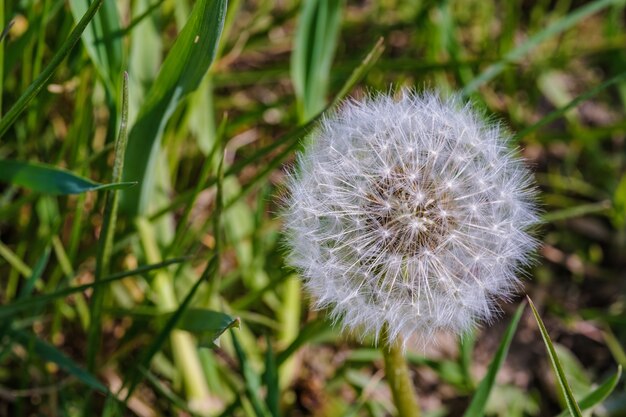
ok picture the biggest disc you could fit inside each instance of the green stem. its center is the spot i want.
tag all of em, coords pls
(399, 379)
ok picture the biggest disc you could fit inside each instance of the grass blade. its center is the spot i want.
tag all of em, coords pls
(598, 395)
(47, 179)
(555, 28)
(28, 287)
(210, 275)
(27, 303)
(575, 102)
(292, 138)
(315, 43)
(479, 400)
(252, 381)
(105, 242)
(43, 78)
(104, 49)
(572, 405)
(183, 69)
(313, 330)
(161, 338)
(270, 378)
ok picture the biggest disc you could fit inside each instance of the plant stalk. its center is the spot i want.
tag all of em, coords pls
(399, 378)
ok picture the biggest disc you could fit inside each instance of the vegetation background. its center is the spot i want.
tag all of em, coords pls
(171, 297)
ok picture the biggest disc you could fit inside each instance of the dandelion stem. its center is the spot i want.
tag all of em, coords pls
(399, 379)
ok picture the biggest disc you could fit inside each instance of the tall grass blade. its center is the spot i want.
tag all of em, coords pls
(270, 378)
(210, 275)
(252, 381)
(572, 405)
(599, 394)
(105, 242)
(479, 400)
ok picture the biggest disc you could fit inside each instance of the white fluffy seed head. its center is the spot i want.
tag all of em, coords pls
(411, 213)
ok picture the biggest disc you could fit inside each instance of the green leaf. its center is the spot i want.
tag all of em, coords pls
(572, 405)
(50, 180)
(479, 400)
(207, 325)
(316, 39)
(599, 394)
(49, 353)
(183, 70)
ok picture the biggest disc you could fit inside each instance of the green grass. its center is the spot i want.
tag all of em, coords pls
(181, 303)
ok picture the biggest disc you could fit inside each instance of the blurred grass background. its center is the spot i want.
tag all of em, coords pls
(119, 301)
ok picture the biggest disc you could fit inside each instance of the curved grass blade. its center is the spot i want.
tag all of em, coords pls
(598, 395)
(572, 405)
(181, 73)
(27, 303)
(48, 179)
(43, 78)
(575, 102)
(479, 400)
(553, 29)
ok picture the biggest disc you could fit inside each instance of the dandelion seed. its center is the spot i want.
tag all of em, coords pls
(410, 215)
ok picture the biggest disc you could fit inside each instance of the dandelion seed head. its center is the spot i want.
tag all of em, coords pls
(411, 213)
